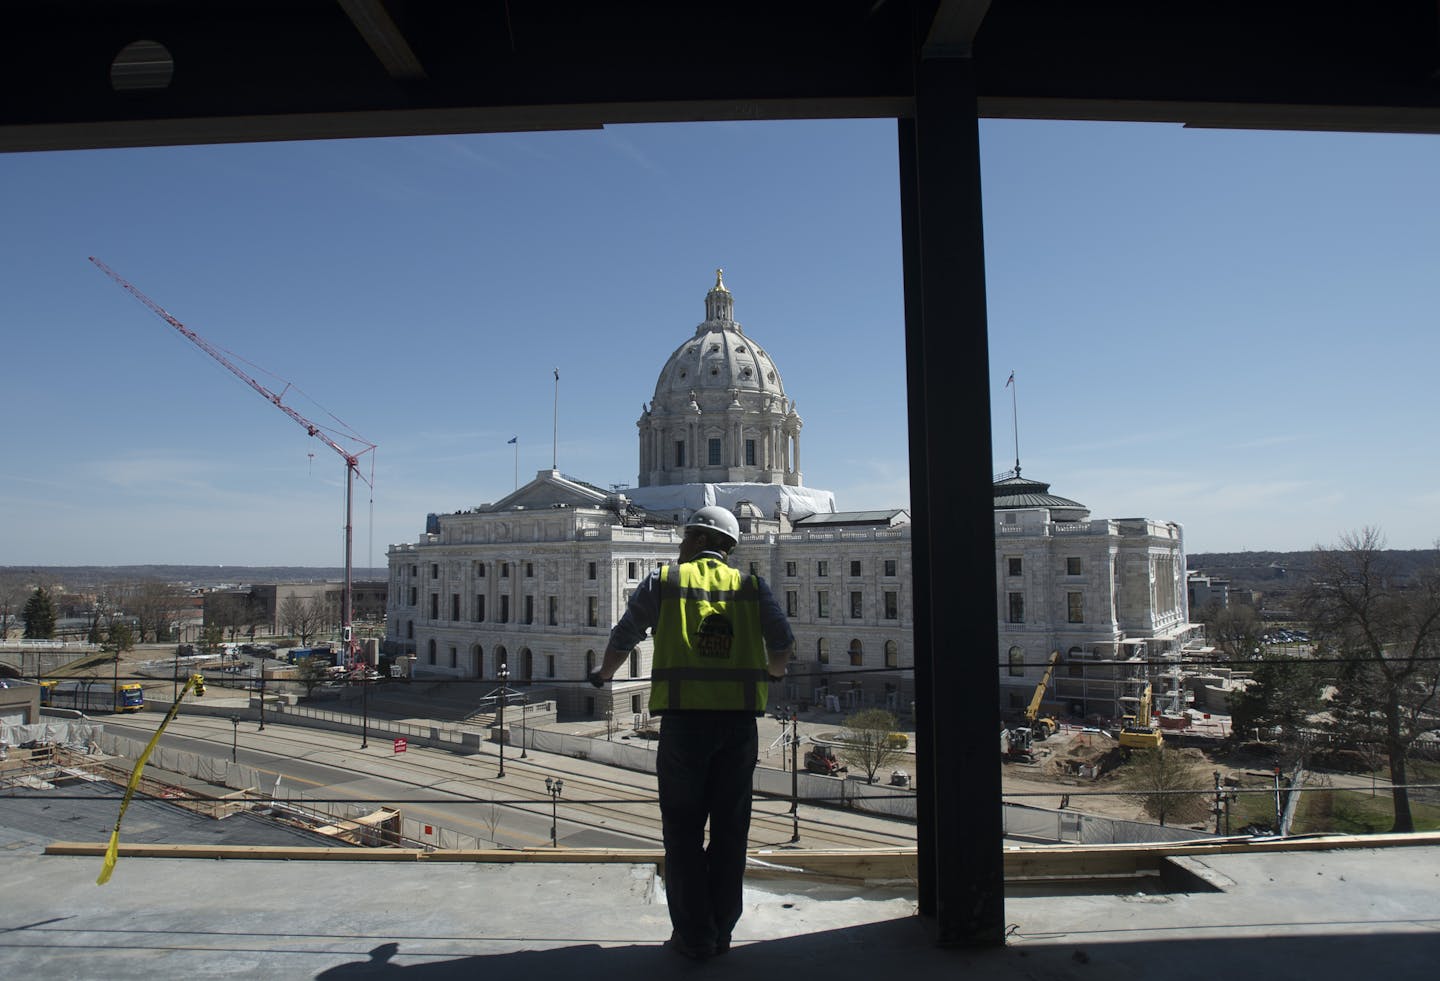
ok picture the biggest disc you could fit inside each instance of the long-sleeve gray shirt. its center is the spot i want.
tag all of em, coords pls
(643, 612)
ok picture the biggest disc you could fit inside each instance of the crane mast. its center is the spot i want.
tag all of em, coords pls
(352, 460)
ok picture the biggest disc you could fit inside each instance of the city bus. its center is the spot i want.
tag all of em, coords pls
(89, 695)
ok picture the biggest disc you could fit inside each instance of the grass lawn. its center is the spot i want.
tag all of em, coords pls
(1357, 812)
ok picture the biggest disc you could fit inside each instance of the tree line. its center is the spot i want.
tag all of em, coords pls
(1369, 682)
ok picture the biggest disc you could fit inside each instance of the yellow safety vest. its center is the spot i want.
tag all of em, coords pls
(709, 651)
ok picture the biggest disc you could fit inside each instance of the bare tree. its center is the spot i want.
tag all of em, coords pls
(1161, 780)
(230, 612)
(155, 606)
(311, 672)
(302, 618)
(868, 742)
(1385, 632)
(1236, 630)
(13, 594)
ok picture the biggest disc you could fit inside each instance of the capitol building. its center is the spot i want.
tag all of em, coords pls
(535, 581)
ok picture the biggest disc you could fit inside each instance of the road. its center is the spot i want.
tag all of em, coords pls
(599, 806)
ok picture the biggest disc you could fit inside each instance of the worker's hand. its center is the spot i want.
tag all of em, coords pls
(596, 679)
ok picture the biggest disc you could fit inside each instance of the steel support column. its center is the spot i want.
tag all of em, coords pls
(953, 559)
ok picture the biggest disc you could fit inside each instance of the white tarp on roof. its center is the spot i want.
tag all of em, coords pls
(679, 500)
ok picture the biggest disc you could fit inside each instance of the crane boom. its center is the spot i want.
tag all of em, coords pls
(274, 398)
(352, 468)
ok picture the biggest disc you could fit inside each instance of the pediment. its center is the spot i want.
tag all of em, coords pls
(548, 489)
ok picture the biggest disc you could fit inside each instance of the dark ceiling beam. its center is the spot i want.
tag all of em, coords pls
(375, 25)
(952, 32)
(267, 128)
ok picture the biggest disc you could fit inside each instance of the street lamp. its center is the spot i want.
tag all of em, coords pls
(234, 736)
(553, 787)
(524, 707)
(504, 678)
(262, 694)
(609, 724)
(365, 705)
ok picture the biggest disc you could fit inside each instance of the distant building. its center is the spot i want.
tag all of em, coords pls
(1207, 591)
(260, 605)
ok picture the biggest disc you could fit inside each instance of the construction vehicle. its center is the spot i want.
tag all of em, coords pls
(1137, 731)
(1037, 727)
(821, 759)
(1042, 727)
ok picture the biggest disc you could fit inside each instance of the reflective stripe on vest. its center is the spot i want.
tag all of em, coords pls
(709, 651)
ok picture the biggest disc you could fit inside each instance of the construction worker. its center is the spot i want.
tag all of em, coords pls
(720, 637)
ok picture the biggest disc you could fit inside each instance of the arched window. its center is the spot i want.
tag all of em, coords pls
(431, 648)
(857, 653)
(589, 662)
(477, 659)
(892, 654)
(822, 650)
(1017, 662)
(501, 659)
(527, 664)
(409, 629)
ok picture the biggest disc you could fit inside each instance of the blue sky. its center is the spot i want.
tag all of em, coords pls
(1229, 330)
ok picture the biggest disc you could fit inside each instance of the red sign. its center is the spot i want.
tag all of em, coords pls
(400, 745)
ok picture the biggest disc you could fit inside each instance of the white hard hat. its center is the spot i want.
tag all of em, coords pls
(715, 518)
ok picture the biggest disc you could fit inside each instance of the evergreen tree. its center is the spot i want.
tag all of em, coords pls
(1284, 692)
(121, 637)
(39, 615)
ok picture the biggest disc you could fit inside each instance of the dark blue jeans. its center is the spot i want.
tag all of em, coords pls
(705, 764)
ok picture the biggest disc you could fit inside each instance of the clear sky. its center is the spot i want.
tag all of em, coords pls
(1229, 330)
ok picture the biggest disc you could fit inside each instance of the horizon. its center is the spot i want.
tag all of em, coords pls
(1179, 308)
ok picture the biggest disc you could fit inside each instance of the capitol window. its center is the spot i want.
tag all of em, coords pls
(1075, 607)
(715, 451)
(790, 569)
(1017, 662)
(1017, 608)
(1072, 565)
(890, 565)
(749, 453)
(1013, 562)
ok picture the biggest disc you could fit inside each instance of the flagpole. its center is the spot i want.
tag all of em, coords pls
(555, 440)
(1015, 418)
(516, 441)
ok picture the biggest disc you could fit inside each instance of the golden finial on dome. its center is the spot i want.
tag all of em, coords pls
(720, 280)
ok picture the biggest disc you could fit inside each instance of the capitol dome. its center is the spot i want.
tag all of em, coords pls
(718, 361)
(720, 413)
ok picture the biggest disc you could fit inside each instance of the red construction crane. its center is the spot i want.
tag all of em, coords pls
(352, 468)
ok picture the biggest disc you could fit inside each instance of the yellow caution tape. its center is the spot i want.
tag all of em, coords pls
(112, 851)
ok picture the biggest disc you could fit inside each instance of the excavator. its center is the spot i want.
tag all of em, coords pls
(1136, 731)
(1037, 727)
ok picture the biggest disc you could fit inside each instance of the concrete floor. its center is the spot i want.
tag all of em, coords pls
(1344, 913)
(1313, 915)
